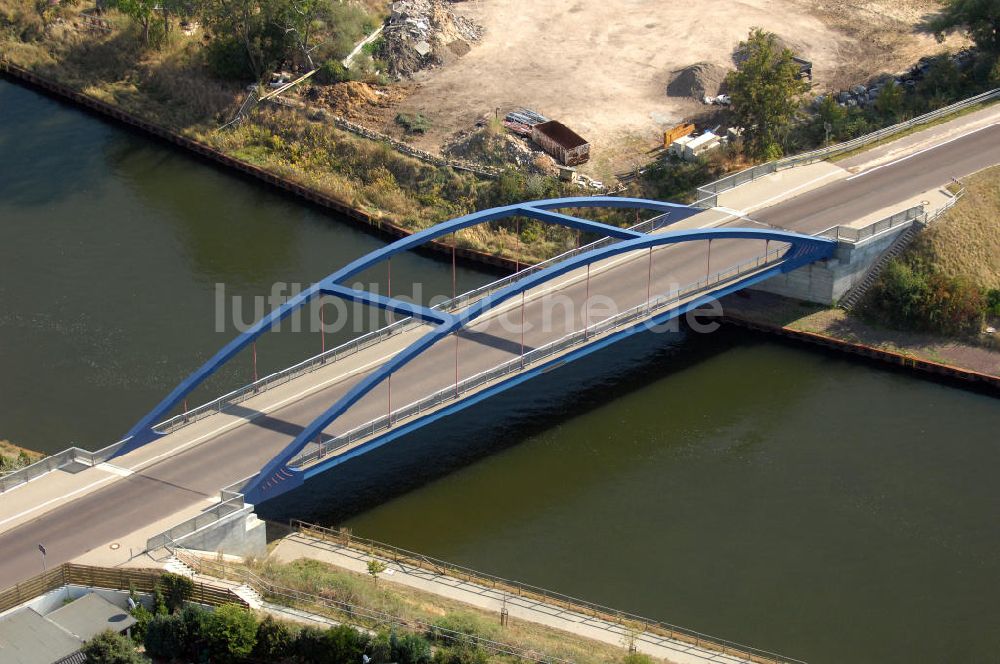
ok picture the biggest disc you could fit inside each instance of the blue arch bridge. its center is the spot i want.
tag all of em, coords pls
(640, 277)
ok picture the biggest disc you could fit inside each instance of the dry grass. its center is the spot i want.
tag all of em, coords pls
(15, 456)
(965, 243)
(333, 583)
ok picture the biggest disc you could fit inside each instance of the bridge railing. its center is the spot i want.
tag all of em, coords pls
(227, 401)
(454, 392)
(906, 217)
(850, 234)
(57, 461)
(749, 175)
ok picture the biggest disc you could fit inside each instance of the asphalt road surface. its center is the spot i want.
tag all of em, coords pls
(196, 474)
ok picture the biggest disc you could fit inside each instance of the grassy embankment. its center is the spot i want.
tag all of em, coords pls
(948, 280)
(13, 457)
(173, 85)
(332, 583)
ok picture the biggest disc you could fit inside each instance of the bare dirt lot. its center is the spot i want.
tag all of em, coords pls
(602, 66)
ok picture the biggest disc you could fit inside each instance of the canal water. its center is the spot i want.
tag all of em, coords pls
(787, 498)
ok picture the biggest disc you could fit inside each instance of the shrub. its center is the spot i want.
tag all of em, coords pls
(142, 616)
(227, 59)
(110, 648)
(195, 623)
(332, 71)
(912, 294)
(176, 589)
(410, 649)
(166, 637)
(310, 645)
(345, 644)
(413, 123)
(275, 641)
(230, 633)
(380, 648)
(637, 658)
(463, 653)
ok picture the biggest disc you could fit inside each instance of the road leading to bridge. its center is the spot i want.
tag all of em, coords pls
(195, 475)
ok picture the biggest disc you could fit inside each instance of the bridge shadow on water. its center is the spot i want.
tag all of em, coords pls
(495, 424)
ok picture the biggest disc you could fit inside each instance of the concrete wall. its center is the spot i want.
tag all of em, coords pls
(826, 282)
(239, 534)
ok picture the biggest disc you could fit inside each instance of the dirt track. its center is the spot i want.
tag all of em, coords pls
(602, 66)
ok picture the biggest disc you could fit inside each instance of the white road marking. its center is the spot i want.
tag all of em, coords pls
(920, 152)
(117, 470)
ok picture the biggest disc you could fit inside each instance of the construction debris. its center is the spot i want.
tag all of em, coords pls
(485, 145)
(425, 33)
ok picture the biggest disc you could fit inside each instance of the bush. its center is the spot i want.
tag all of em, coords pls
(196, 629)
(912, 294)
(111, 648)
(275, 641)
(410, 649)
(332, 71)
(166, 637)
(310, 646)
(413, 123)
(142, 616)
(380, 648)
(637, 658)
(463, 653)
(993, 302)
(230, 633)
(345, 644)
(176, 589)
(227, 59)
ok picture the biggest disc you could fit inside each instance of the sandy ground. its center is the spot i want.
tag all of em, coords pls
(602, 66)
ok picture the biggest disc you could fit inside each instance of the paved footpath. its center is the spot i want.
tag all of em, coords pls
(299, 545)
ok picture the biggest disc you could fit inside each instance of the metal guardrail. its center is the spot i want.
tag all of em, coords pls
(911, 215)
(749, 175)
(57, 461)
(623, 619)
(455, 392)
(855, 235)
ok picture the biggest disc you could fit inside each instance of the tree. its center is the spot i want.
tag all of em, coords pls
(140, 11)
(111, 648)
(166, 637)
(980, 18)
(889, 102)
(253, 24)
(376, 567)
(410, 649)
(230, 633)
(176, 589)
(275, 641)
(766, 92)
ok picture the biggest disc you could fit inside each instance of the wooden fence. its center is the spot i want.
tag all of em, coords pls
(110, 578)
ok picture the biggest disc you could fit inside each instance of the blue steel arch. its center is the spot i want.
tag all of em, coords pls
(142, 432)
(276, 477)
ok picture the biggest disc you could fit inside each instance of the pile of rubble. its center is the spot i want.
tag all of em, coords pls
(425, 33)
(701, 81)
(498, 149)
(865, 95)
